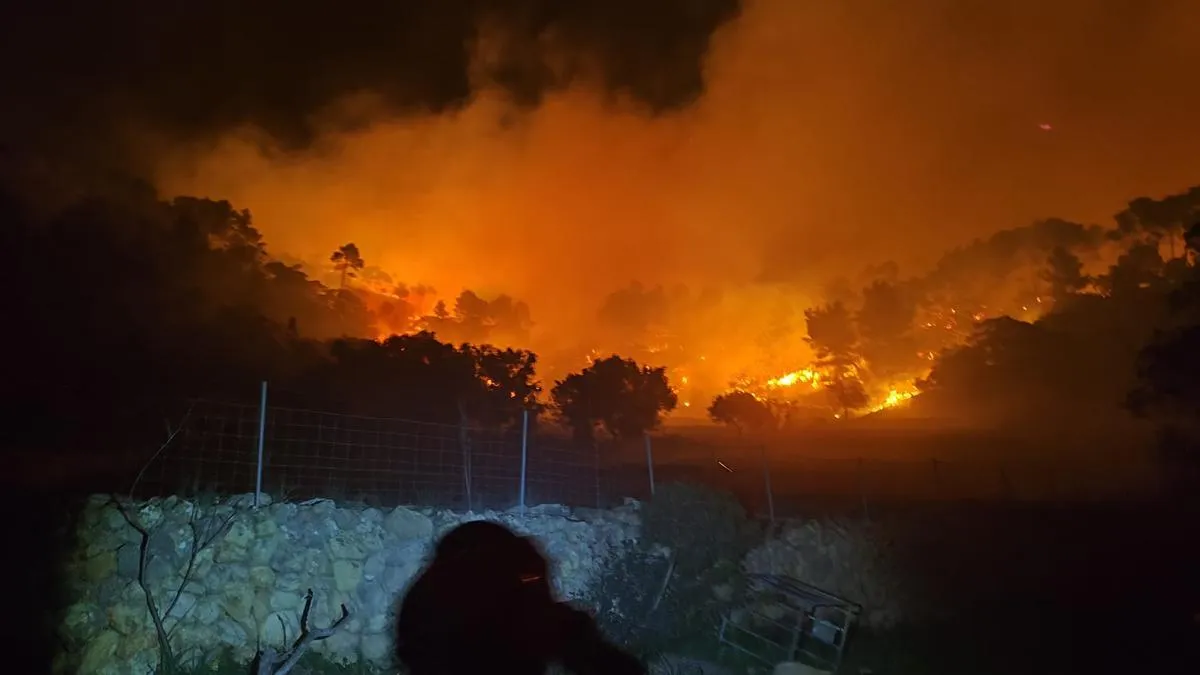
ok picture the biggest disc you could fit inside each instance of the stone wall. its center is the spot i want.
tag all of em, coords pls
(247, 588)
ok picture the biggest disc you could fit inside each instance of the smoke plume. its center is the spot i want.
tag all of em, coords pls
(556, 151)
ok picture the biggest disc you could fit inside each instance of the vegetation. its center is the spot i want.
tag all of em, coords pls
(671, 589)
(184, 300)
(616, 395)
(742, 411)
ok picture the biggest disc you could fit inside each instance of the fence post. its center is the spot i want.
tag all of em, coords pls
(767, 480)
(262, 433)
(862, 489)
(650, 462)
(524, 454)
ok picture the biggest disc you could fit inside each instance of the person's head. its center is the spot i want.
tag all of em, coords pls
(474, 603)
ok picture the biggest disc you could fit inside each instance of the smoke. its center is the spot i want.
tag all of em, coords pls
(556, 151)
(193, 70)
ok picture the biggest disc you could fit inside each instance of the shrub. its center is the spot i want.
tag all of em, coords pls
(670, 589)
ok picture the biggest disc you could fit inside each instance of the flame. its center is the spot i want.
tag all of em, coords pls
(805, 376)
(894, 398)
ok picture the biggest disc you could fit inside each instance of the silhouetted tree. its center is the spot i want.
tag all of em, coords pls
(1013, 367)
(478, 320)
(347, 261)
(616, 394)
(1064, 274)
(633, 314)
(742, 411)
(885, 324)
(832, 334)
(507, 385)
(405, 376)
(847, 394)
(1138, 269)
(1154, 220)
(1168, 369)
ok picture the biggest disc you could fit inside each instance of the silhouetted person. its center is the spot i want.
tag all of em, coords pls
(485, 605)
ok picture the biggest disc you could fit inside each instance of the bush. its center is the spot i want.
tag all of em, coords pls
(670, 590)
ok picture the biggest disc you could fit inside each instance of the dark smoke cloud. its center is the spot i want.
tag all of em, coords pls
(192, 69)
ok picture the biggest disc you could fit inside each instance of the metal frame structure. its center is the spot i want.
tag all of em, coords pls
(814, 625)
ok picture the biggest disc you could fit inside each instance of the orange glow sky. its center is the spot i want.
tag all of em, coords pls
(832, 135)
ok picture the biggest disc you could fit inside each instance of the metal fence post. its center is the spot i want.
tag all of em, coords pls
(767, 480)
(262, 433)
(524, 454)
(650, 462)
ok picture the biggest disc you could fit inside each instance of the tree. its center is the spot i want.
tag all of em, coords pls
(834, 338)
(347, 261)
(1168, 369)
(1152, 220)
(1137, 269)
(1009, 366)
(847, 394)
(618, 395)
(507, 385)
(632, 314)
(477, 320)
(885, 324)
(742, 411)
(832, 334)
(1064, 274)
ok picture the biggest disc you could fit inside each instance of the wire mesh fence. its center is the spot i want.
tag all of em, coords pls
(308, 454)
(383, 461)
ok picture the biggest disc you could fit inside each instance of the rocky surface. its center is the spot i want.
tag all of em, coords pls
(248, 587)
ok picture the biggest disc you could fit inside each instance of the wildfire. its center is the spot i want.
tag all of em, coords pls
(807, 376)
(896, 395)
(894, 398)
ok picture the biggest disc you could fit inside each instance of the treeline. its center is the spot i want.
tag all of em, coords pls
(1012, 330)
(121, 308)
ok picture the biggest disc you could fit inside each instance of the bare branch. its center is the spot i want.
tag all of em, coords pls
(202, 538)
(269, 657)
(662, 589)
(166, 657)
(171, 434)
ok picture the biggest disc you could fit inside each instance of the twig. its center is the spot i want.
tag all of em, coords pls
(662, 589)
(202, 538)
(172, 433)
(268, 659)
(200, 541)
